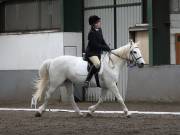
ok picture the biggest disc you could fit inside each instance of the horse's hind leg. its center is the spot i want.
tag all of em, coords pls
(70, 90)
(101, 99)
(48, 94)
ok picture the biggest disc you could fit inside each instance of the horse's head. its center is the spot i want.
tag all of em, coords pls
(135, 55)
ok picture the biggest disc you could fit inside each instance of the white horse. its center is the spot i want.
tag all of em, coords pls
(69, 70)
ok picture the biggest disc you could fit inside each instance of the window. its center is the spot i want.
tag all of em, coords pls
(175, 6)
(28, 15)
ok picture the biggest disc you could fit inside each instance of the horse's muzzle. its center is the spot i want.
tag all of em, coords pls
(141, 65)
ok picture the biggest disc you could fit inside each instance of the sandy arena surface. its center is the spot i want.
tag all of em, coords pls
(63, 123)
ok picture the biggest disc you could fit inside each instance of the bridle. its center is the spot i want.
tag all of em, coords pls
(133, 57)
(130, 62)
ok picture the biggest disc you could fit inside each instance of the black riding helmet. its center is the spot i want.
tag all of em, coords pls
(93, 19)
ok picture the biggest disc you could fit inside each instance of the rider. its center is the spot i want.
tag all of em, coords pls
(96, 45)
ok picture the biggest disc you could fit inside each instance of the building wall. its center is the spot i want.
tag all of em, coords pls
(21, 56)
(127, 17)
(154, 84)
(17, 84)
(28, 51)
(175, 28)
(73, 39)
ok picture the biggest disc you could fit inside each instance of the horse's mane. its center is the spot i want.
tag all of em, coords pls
(123, 51)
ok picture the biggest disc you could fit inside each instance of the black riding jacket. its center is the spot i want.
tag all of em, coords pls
(96, 43)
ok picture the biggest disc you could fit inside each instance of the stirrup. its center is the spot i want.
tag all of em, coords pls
(86, 84)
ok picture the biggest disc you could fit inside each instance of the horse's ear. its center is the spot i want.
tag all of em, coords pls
(131, 42)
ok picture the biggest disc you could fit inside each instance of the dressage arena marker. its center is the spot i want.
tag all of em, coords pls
(85, 111)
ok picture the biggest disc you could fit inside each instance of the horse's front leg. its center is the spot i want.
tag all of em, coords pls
(120, 99)
(101, 99)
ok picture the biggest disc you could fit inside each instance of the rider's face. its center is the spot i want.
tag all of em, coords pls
(98, 25)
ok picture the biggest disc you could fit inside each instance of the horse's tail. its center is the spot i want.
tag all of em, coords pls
(42, 83)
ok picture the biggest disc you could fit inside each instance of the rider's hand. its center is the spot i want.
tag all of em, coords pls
(108, 49)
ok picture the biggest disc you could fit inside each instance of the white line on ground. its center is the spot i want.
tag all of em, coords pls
(105, 112)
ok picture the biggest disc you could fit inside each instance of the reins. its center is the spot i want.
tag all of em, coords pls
(128, 60)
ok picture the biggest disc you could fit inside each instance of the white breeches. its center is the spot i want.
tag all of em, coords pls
(95, 60)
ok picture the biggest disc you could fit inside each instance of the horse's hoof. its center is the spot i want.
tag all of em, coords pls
(88, 115)
(81, 114)
(128, 115)
(37, 114)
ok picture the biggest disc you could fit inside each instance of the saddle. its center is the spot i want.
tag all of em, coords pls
(89, 65)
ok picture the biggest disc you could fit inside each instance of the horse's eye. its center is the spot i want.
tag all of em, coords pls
(134, 52)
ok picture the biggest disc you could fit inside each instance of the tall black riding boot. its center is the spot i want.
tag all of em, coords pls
(92, 71)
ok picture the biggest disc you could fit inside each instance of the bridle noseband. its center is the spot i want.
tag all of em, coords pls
(129, 61)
